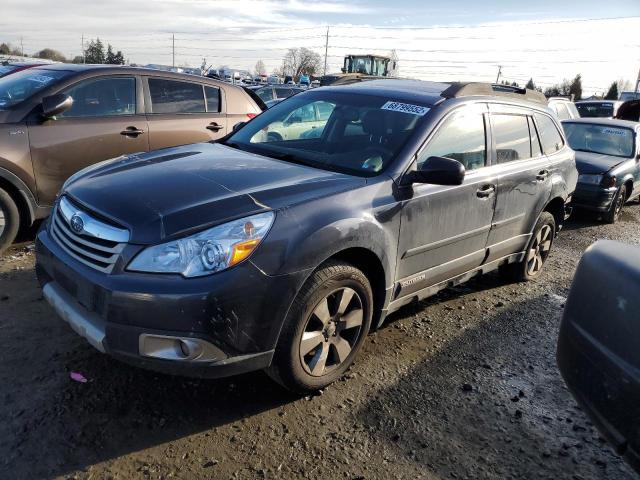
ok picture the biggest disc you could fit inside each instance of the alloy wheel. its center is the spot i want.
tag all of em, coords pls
(3, 221)
(331, 332)
(539, 250)
(619, 204)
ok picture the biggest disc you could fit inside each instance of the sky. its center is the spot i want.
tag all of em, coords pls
(463, 40)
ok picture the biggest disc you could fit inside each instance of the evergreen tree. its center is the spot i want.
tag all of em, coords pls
(612, 94)
(530, 85)
(575, 89)
(94, 53)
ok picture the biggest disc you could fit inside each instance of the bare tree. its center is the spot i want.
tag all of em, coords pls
(301, 60)
(260, 68)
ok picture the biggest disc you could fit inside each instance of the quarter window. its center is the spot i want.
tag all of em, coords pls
(102, 97)
(461, 137)
(536, 151)
(561, 110)
(170, 96)
(550, 137)
(213, 99)
(511, 136)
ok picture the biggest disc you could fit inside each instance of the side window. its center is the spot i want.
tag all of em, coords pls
(102, 97)
(284, 92)
(171, 96)
(303, 114)
(511, 136)
(213, 99)
(550, 138)
(536, 151)
(324, 110)
(461, 137)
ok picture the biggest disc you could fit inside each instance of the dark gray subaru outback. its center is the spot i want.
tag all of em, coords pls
(280, 252)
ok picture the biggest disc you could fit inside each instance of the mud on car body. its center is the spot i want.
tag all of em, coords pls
(249, 253)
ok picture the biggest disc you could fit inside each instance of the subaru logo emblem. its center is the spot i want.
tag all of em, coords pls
(77, 224)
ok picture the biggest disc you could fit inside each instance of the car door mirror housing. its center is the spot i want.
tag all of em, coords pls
(238, 126)
(55, 104)
(438, 171)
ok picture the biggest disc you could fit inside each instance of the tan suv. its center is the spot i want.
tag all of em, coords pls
(58, 119)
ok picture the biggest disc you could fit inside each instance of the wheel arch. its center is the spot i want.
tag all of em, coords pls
(21, 194)
(555, 207)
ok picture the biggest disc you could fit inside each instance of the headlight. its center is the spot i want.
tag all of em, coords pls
(206, 252)
(590, 179)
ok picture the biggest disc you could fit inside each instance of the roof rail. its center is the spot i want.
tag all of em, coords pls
(460, 89)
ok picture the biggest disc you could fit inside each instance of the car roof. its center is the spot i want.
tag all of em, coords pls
(434, 92)
(598, 101)
(559, 99)
(115, 69)
(605, 121)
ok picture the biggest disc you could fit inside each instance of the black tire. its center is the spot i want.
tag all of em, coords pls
(536, 253)
(9, 220)
(616, 206)
(327, 287)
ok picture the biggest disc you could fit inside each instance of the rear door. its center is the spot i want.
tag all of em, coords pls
(444, 229)
(181, 112)
(524, 179)
(106, 120)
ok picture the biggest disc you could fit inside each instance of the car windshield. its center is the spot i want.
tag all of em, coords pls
(594, 110)
(626, 96)
(358, 134)
(605, 139)
(19, 86)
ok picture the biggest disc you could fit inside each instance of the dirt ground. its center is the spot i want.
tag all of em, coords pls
(461, 386)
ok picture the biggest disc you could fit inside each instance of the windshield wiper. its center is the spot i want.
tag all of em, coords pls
(287, 157)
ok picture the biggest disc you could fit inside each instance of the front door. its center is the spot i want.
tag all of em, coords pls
(444, 229)
(102, 123)
(181, 112)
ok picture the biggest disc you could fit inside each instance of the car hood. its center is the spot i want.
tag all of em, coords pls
(588, 162)
(177, 191)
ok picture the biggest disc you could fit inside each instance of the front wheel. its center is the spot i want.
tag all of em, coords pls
(324, 330)
(616, 206)
(536, 253)
(9, 220)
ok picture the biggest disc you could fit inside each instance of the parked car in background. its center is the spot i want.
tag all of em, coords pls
(629, 110)
(564, 108)
(599, 343)
(608, 161)
(304, 81)
(57, 119)
(598, 108)
(219, 258)
(276, 92)
(626, 96)
(7, 68)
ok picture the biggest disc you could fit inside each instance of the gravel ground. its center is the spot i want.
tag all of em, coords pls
(463, 385)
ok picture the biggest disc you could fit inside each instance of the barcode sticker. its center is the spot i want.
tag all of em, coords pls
(405, 108)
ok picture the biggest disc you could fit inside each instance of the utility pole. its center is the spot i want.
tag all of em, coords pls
(173, 49)
(84, 58)
(499, 72)
(326, 48)
(638, 82)
(21, 46)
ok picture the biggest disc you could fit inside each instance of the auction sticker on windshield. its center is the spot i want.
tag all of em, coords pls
(405, 108)
(613, 131)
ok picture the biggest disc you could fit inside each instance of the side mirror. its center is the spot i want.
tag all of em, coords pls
(238, 126)
(55, 104)
(437, 171)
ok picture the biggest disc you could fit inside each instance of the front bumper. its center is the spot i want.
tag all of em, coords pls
(593, 197)
(229, 319)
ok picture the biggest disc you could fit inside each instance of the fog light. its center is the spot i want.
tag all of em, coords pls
(178, 348)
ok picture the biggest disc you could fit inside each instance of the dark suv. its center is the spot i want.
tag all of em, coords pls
(254, 253)
(57, 119)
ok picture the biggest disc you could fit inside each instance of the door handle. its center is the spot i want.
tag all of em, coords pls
(542, 175)
(131, 132)
(213, 126)
(486, 191)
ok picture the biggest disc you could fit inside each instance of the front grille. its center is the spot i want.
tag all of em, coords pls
(96, 244)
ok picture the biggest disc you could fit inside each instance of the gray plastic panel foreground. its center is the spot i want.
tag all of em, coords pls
(87, 324)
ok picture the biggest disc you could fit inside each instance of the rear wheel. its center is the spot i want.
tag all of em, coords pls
(9, 220)
(324, 330)
(616, 206)
(536, 253)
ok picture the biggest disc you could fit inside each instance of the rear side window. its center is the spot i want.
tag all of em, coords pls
(561, 110)
(285, 92)
(511, 136)
(550, 137)
(102, 97)
(213, 99)
(461, 137)
(171, 96)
